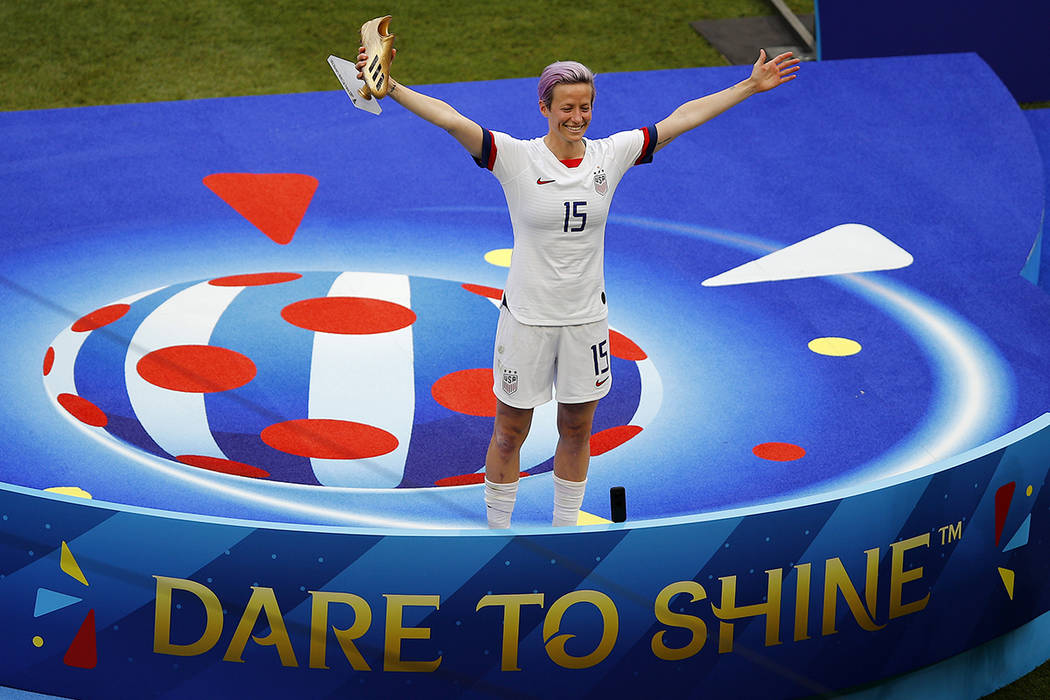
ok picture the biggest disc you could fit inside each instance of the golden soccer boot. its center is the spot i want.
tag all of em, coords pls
(379, 46)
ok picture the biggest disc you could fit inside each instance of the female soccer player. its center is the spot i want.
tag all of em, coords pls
(553, 329)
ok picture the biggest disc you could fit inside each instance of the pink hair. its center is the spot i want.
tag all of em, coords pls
(563, 73)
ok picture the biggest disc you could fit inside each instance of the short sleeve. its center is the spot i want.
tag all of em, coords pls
(634, 147)
(488, 150)
(504, 155)
(648, 145)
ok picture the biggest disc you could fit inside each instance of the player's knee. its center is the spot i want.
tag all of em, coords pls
(508, 438)
(574, 424)
(577, 431)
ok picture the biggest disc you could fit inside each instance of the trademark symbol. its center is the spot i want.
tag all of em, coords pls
(951, 533)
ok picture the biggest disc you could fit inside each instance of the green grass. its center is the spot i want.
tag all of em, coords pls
(66, 53)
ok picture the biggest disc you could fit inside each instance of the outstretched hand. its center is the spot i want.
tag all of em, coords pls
(766, 75)
(362, 60)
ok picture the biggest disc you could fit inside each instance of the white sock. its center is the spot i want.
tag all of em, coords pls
(568, 497)
(499, 503)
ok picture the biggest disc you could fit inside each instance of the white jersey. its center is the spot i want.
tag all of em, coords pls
(558, 214)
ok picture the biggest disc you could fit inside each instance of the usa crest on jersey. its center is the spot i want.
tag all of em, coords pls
(601, 182)
(510, 380)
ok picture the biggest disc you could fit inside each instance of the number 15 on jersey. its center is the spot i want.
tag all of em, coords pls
(600, 355)
(575, 215)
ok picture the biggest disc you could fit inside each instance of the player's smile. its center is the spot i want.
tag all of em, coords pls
(575, 129)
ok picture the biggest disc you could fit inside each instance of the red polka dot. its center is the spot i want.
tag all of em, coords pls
(348, 315)
(196, 368)
(100, 317)
(779, 451)
(49, 361)
(464, 479)
(623, 347)
(257, 279)
(490, 292)
(83, 410)
(467, 391)
(327, 438)
(612, 437)
(226, 466)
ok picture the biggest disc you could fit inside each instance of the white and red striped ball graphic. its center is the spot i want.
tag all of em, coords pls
(348, 379)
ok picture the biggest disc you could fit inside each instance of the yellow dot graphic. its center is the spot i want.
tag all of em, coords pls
(500, 257)
(1028, 491)
(834, 347)
(38, 641)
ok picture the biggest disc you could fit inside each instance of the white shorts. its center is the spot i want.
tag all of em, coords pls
(529, 360)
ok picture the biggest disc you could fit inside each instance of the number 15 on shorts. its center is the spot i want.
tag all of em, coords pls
(600, 355)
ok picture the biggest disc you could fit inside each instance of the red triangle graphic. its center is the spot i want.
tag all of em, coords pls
(275, 203)
(82, 653)
(1003, 497)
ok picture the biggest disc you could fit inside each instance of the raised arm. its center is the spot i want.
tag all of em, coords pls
(765, 75)
(439, 113)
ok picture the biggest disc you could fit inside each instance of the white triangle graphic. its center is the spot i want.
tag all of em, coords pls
(841, 250)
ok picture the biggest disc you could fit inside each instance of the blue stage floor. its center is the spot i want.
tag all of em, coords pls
(108, 208)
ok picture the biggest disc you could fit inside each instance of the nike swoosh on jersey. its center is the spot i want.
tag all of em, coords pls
(599, 382)
(541, 181)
